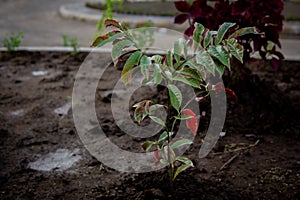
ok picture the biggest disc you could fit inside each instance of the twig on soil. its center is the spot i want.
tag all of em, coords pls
(229, 161)
(238, 149)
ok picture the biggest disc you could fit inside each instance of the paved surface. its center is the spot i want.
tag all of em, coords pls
(41, 22)
(44, 22)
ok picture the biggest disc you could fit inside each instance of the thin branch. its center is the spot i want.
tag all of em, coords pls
(239, 149)
(229, 161)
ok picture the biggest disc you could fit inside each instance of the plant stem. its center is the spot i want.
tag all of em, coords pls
(168, 125)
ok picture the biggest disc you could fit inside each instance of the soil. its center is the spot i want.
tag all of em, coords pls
(258, 158)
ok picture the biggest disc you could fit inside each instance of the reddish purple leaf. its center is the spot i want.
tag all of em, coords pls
(278, 54)
(182, 6)
(266, 16)
(181, 18)
(238, 7)
(231, 93)
(275, 63)
(189, 31)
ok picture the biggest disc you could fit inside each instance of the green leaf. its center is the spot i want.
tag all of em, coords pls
(142, 109)
(219, 67)
(168, 154)
(185, 160)
(235, 49)
(180, 143)
(157, 120)
(198, 67)
(155, 107)
(189, 81)
(130, 75)
(118, 48)
(170, 59)
(169, 75)
(145, 71)
(175, 96)
(157, 74)
(140, 104)
(183, 117)
(145, 63)
(157, 58)
(208, 37)
(206, 60)
(197, 34)
(146, 146)
(106, 38)
(138, 114)
(186, 46)
(163, 161)
(220, 53)
(191, 64)
(191, 73)
(146, 109)
(164, 136)
(243, 31)
(130, 63)
(181, 169)
(137, 104)
(178, 46)
(145, 60)
(222, 31)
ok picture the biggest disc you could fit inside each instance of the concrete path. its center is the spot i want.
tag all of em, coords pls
(41, 22)
(44, 22)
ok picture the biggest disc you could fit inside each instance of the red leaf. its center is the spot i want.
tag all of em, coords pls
(218, 88)
(99, 39)
(275, 63)
(112, 22)
(231, 93)
(181, 18)
(182, 6)
(200, 9)
(238, 7)
(191, 123)
(189, 31)
(156, 156)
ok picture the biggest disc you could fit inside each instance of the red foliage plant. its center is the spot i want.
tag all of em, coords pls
(264, 15)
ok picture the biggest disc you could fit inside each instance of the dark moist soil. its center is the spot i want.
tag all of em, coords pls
(259, 158)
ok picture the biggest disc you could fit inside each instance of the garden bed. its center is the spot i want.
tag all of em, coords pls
(167, 8)
(41, 156)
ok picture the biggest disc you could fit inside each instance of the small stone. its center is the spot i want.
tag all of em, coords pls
(154, 193)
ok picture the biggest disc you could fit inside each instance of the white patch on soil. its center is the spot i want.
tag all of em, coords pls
(59, 160)
(64, 109)
(20, 112)
(39, 73)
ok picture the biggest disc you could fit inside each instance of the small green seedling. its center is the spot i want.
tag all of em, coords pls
(108, 13)
(12, 40)
(70, 42)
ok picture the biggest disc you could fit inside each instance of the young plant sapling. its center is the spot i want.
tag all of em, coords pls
(189, 62)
